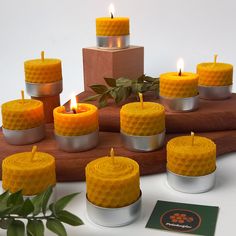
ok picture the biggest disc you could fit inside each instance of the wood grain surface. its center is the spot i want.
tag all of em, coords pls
(211, 116)
(70, 166)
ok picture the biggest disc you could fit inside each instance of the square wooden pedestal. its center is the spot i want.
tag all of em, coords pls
(100, 63)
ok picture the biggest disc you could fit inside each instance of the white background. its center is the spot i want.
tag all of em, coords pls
(168, 29)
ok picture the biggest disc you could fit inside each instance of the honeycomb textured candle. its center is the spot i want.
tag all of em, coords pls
(19, 172)
(117, 26)
(112, 184)
(215, 74)
(198, 159)
(20, 115)
(43, 71)
(76, 124)
(174, 86)
(146, 121)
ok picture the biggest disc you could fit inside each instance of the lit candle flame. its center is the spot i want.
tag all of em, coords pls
(111, 10)
(180, 66)
(73, 104)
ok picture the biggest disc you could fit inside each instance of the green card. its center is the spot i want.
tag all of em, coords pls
(185, 218)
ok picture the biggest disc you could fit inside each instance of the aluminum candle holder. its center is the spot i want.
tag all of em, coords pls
(191, 184)
(113, 42)
(215, 92)
(23, 137)
(44, 89)
(114, 217)
(180, 104)
(78, 143)
(143, 143)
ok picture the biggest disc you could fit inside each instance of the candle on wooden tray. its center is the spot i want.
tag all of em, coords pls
(179, 90)
(23, 121)
(142, 119)
(215, 79)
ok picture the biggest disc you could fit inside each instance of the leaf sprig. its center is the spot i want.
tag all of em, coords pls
(14, 208)
(120, 89)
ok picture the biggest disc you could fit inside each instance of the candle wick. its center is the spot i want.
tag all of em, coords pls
(22, 96)
(74, 110)
(180, 72)
(141, 99)
(112, 155)
(42, 55)
(112, 16)
(192, 135)
(34, 149)
(215, 58)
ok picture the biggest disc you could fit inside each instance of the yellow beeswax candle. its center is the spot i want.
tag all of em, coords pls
(142, 118)
(215, 73)
(32, 172)
(22, 114)
(85, 120)
(112, 26)
(44, 70)
(112, 181)
(191, 155)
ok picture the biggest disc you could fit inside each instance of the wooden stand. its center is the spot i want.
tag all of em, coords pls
(49, 103)
(100, 63)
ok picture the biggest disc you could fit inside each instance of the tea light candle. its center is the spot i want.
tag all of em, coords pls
(23, 121)
(141, 122)
(43, 79)
(179, 90)
(215, 79)
(113, 190)
(112, 32)
(191, 158)
(32, 172)
(79, 125)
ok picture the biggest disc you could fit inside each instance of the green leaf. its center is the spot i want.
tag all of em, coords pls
(99, 88)
(37, 202)
(56, 227)
(3, 198)
(4, 211)
(103, 101)
(123, 82)
(27, 208)
(63, 202)
(46, 196)
(92, 98)
(4, 223)
(16, 228)
(15, 199)
(35, 228)
(149, 79)
(110, 81)
(69, 218)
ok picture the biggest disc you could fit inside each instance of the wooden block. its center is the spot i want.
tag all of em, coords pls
(99, 63)
(71, 166)
(211, 116)
(49, 103)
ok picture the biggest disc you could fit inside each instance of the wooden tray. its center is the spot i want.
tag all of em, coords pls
(211, 116)
(70, 166)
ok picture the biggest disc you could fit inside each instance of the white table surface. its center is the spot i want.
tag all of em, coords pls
(155, 188)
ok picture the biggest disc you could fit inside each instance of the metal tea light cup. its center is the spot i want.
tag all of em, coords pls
(114, 217)
(78, 143)
(143, 143)
(23, 137)
(215, 92)
(180, 104)
(191, 184)
(113, 42)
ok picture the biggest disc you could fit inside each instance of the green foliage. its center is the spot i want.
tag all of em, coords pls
(15, 209)
(120, 89)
